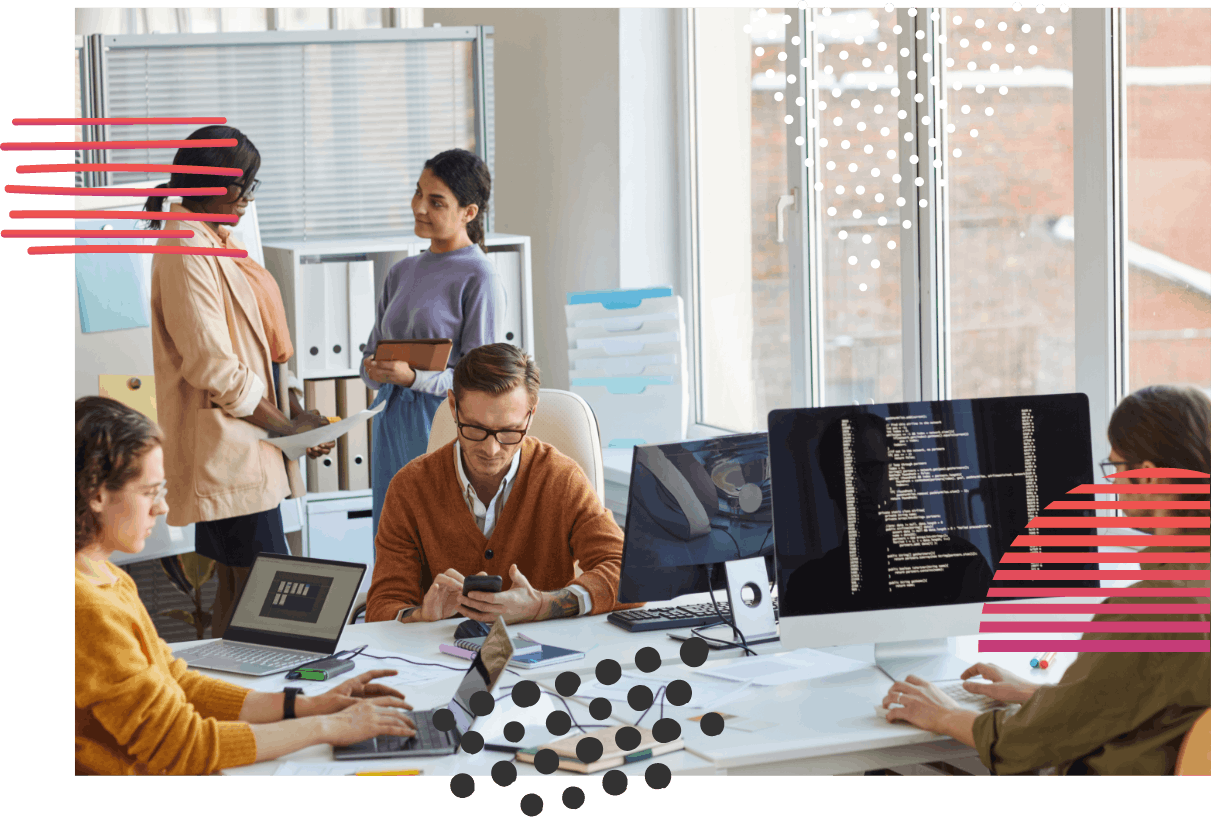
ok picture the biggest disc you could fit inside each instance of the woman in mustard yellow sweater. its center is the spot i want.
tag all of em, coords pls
(138, 710)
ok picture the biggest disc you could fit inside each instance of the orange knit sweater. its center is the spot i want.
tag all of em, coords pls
(138, 711)
(552, 518)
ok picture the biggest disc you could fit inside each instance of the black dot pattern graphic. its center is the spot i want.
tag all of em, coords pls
(504, 773)
(647, 659)
(531, 804)
(482, 703)
(678, 692)
(514, 731)
(711, 724)
(658, 775)
(666, 730)
(627, 738)
(462, 785)
(600, 708)
(526, 693)
(640, 697)
(472, 742)
(443, 720)
(546, 761)
(559, 723)
(589, 749)
(573, 797)
(567, 683)
(694, 651)
(614, 782)
(609, 672)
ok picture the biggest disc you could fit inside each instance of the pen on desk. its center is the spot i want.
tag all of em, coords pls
(1047, 659)
(1034, 661)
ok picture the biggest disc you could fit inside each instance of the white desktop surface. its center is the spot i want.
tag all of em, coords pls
(820, 726)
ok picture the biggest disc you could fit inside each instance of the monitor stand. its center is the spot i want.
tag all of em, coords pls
(749, 596)
(931, 660)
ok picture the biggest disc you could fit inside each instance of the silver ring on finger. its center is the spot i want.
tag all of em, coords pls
(899, 696)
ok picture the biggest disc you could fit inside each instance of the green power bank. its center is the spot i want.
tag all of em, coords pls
(325, 669)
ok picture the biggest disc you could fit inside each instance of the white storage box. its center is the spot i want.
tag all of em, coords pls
(341, 530)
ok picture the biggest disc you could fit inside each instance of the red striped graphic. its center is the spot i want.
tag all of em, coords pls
(96, 234)
(57, 191)
(132, 143)
(1079, 627)
(1096, 608)
(1126, 504)
(72, 167)
(118, 215)
(175, 250)
(1159, 472)
(1141, 489)
(1103, 592)
(1118, 522)
(123, 121)
(1186, 646)
(1106, 557)
(1108, 574)
(1132, 541)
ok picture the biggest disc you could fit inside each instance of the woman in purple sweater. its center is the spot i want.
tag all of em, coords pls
(450, 291)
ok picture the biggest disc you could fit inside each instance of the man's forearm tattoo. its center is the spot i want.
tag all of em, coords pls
(562, 603)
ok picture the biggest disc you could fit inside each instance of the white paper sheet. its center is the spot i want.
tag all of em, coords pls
(295, 446)
(299, 769)
(797, 666)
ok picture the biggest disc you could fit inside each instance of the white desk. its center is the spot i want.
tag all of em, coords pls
(821, 726)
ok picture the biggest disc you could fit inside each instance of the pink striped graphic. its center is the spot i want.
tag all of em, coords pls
(1141, 489)
(1127, 504)
(118, 215)
(1101, 592)
(131, 143)
(1159, 472)
(1098, 574)
(1118, 522)
(1106, 557)
(1097, 608)
(1081, 627)
(123, 121)
(96, 234)
(59, 191)
(173, 250)
(1133, 541)
(1187, 646)
(72, 167)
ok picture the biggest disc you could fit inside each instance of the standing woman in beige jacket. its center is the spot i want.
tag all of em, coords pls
(219, 336)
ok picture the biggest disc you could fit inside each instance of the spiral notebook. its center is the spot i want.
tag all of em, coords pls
(467, 648)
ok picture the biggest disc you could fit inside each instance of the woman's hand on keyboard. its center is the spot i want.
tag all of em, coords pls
(355, 690)
(921, 703)
(1001, 684)
(363, 721)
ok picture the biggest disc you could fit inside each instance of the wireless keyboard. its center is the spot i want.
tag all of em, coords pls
(688, 616)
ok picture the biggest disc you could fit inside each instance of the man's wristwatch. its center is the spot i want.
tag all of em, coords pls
(288, 702)
(402, 613)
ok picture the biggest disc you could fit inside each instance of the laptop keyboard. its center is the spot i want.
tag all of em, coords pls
(427, 736)
(251, 654)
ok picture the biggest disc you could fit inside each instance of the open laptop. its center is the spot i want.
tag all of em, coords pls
(485, 670)
(291, 611)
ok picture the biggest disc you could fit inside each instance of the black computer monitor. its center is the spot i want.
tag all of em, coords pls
(897, 515)
(692, 506)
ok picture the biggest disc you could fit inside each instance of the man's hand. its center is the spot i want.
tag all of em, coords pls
(520, 604)
(1002, 685)
(354, 690)
(390, 372)
(441, 600)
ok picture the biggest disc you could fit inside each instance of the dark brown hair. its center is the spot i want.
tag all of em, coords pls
(243, 155)
(1167, 425)
(111, 439)
(496, 369)
(467, 177)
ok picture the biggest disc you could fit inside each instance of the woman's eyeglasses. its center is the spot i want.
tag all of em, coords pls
(504, 437)
(247, 191)
(1111, 467)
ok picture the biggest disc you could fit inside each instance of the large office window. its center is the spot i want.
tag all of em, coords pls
(1168, 193)
(928, 155)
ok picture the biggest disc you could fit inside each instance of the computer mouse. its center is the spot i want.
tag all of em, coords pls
(469, 629)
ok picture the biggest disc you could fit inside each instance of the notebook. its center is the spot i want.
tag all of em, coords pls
(467, 648)
(420, 353)
(547, 655)
(612, 756)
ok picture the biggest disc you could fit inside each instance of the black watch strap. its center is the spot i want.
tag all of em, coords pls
(288, 702)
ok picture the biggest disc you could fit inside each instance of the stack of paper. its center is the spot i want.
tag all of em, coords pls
(626, 351)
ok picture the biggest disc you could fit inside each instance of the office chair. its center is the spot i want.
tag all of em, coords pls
(563, 419)
(1194, 758)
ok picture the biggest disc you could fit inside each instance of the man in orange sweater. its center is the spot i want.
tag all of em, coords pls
(493, 501)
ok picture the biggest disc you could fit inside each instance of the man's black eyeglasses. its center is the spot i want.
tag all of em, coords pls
(1110, 467)
(504, 437)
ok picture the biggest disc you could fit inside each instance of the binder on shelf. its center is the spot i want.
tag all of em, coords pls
(336, 320)
(352, 448)
(360, 289)
(322, 474)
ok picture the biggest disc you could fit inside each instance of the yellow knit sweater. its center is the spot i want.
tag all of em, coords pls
(138, 711)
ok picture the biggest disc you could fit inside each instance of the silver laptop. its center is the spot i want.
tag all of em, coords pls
(485, 670)
(291, 611)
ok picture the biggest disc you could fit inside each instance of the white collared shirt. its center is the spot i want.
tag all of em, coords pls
(486, 515)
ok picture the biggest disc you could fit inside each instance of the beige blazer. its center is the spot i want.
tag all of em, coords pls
(212, 368)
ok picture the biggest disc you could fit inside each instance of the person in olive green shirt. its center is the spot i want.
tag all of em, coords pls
(1110, 713)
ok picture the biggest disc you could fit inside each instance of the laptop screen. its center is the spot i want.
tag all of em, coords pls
(485, 670)
(295, 601)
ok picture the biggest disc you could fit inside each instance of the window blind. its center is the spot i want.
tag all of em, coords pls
(343, 128)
